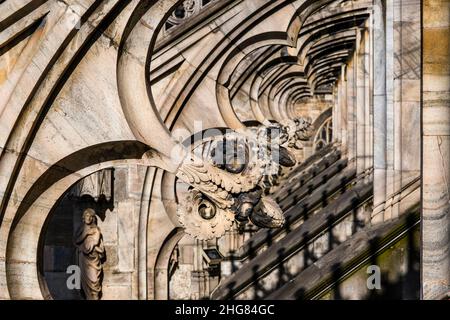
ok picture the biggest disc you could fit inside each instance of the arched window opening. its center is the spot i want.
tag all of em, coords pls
(324, 135)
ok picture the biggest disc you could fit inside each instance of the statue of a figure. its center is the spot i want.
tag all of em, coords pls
(91, 255)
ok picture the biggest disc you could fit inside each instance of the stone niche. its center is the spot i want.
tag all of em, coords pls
(115, 196)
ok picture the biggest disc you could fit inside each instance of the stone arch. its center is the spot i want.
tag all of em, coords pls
(161, 277)
(65, 47)
(323, 122)
(133, 68)
(27, 229)
(281, 107)
(239, 37)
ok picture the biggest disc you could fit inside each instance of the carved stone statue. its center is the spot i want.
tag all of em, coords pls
(91, 255)
(231, 176)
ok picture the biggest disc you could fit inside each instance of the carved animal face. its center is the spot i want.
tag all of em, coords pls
(303, 129)
(229, 176)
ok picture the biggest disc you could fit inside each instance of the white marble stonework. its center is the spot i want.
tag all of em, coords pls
(356, 90)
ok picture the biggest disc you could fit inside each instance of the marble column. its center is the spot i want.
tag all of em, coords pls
(407, 82)
(336, 115)
(436, 149)
(379, 110)
(390, 128)
(363, 118)
(396, 99)
(351, 108)
(368, 95)
(342, 93)
(360, 103)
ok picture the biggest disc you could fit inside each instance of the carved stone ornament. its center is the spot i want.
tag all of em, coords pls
(229, 176)
(184, 11)
(294, 132)
(96, 185)
(91, 254)
(202, 218)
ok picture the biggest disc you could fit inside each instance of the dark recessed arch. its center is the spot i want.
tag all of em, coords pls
(105, 152)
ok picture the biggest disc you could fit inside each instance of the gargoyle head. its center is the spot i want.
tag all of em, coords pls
(295, 131)
(229, 177)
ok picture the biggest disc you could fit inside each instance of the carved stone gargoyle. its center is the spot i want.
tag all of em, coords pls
(295, 132)
(220, 192)
(288, 139)
(230, 176)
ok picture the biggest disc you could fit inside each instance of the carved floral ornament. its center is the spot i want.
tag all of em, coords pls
(231, 175)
